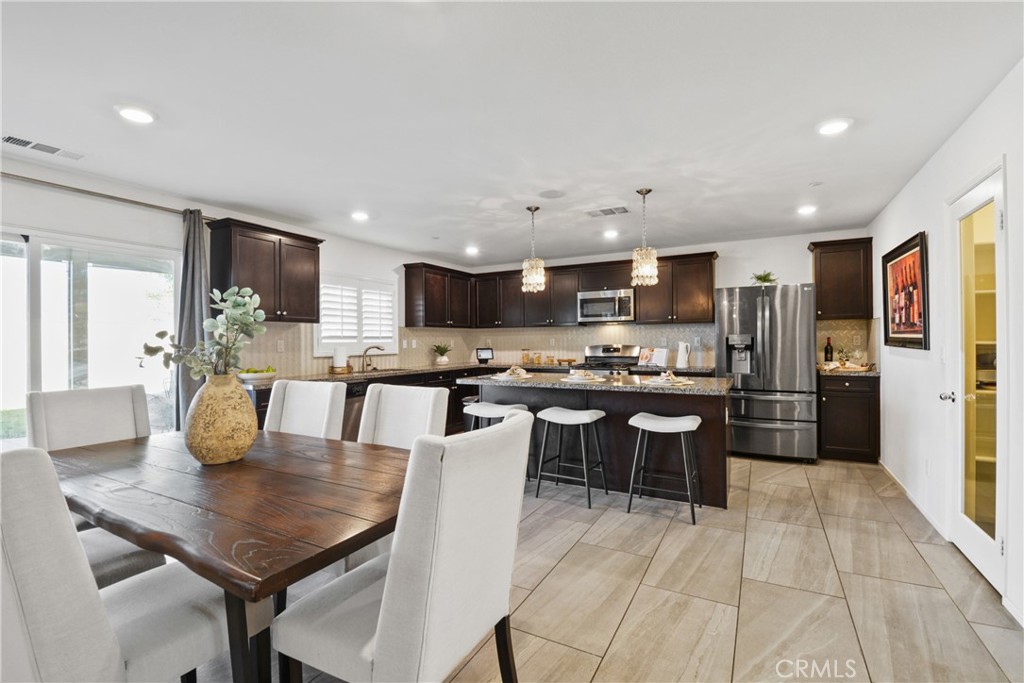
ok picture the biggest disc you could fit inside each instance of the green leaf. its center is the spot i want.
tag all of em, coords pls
(162, 334)
(245, 291)
(151, 351)
(210, 325)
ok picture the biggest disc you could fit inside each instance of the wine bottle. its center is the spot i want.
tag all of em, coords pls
(828, 349)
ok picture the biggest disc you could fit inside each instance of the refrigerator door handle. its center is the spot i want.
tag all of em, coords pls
(759, 397)
(791, 426)
(759, 340)
(766, 342)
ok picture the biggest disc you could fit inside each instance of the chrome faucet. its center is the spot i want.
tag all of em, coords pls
(366, 358)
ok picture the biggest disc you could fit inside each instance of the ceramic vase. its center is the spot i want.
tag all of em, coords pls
(220, 425)
(442, 360)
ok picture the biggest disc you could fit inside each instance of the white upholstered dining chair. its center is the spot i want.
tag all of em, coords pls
(309, 408)
(57, 626)
(395, 416)
(82, 417)
(414, 613)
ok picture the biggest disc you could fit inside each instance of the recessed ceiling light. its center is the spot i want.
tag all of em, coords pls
(136, 115)
(360, 215)
(611, 234)
(806, 210)
(834, 126)
(472, 251)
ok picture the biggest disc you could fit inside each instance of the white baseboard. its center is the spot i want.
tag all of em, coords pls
(938, 527)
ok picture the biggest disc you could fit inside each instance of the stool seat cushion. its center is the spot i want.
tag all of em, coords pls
(491, 411)
(566, 416)
(663, 425)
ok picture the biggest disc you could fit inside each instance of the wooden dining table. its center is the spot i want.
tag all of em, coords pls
(292, 506)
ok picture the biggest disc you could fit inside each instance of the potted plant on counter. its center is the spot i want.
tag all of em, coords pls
(442, 351)
(220, 425)
(765, 279)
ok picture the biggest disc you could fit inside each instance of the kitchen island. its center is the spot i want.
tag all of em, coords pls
(621, 397)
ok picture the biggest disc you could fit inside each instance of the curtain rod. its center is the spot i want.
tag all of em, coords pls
(101, 195)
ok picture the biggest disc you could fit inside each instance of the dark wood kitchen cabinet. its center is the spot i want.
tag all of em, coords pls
(612, 275)
(556, 304)
(436, 297)
(685, 292)
(498, 300)
(511, 301)
(487, 302)
(848, 418)
(842, 278)
(283, 268)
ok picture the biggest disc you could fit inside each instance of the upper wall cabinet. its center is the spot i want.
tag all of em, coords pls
(556, 304)
(605, 276)
(283, 268)
(436, 297)
(685, 292)
(842, 275)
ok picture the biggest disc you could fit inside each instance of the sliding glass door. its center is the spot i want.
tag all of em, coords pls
(95, 306)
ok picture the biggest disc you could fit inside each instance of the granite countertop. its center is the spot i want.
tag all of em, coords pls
(841, 372)
(696, 370)
(707, 386)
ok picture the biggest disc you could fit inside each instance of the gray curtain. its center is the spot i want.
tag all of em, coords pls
(193, 303)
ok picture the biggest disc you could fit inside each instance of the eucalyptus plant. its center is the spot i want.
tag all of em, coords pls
(238, 324)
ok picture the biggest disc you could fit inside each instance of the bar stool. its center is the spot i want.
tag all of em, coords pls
(563, 417)
(481, 410)
(684, 426)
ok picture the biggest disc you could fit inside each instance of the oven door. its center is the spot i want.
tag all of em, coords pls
(613, 305)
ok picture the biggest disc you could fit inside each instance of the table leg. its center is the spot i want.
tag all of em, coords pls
(280, 602)
(259, 646)
(238, 639)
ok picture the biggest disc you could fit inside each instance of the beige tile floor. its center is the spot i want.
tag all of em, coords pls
(827, 566)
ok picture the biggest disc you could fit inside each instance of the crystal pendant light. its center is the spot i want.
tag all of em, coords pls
(645, 258)
(533, 267)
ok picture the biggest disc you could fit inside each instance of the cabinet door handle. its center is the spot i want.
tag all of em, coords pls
(284, 312)
(277, 312)
(819, 312)
(847, 383)
(823, 399)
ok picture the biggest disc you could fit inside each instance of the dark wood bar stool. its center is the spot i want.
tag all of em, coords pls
(685, 426)
(563, 417)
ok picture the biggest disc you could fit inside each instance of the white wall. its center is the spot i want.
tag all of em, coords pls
(919, 445)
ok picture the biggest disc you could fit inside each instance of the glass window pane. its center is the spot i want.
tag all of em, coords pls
(978, 270)
(13, 341)
(98, 309)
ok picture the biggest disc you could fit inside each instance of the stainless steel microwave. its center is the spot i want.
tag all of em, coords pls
(605, 306)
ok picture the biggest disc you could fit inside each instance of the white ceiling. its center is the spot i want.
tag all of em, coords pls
(444, 121)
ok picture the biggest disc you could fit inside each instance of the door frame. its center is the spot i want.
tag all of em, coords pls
(988, 555)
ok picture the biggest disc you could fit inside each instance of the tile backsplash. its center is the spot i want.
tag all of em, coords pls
(297, 359)
(561, 342)
(856, 336)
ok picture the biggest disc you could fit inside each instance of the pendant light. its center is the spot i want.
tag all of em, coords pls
(645, 258)
(533, 267)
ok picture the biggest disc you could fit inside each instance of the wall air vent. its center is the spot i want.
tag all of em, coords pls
(611, 211)
(42, 147)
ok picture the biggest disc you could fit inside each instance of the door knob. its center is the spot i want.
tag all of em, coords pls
(951, 396)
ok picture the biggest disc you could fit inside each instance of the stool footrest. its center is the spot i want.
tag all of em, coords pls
(645, 487)
(558, 477)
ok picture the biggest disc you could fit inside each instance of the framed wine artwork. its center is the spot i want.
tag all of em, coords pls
(905, 288)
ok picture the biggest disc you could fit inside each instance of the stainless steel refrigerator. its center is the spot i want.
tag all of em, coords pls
(765, 343)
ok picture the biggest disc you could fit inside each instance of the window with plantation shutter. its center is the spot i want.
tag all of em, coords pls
(355, 313)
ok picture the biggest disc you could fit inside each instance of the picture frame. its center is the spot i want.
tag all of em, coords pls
(905, 293)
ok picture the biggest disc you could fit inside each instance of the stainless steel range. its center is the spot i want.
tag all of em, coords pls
(610, 359)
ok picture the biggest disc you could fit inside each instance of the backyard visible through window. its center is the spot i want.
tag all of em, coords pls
(96, 310)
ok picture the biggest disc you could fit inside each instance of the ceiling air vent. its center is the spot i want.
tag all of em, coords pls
(611, 211)
(42, 147)
(11, 140)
